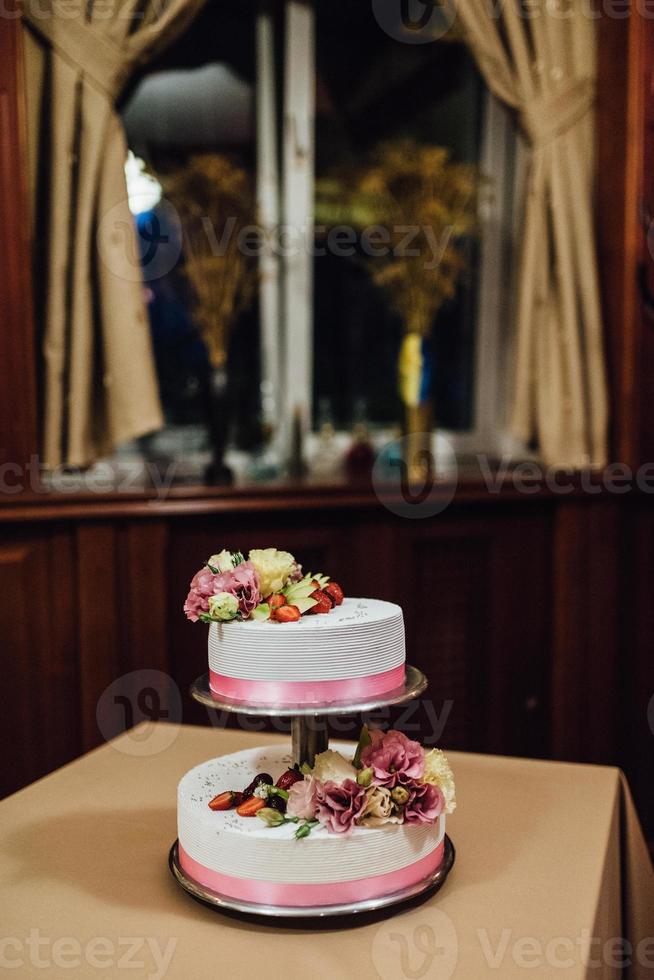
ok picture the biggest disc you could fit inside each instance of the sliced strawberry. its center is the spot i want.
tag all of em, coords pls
(276, 600)
(288, 778)
(286, 614)
(323, 602)
(335, 591)
(250, 808)
(225, 801)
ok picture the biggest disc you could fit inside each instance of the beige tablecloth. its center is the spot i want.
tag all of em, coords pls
(551, 879)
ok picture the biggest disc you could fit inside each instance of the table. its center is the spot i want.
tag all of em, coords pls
(551, 872)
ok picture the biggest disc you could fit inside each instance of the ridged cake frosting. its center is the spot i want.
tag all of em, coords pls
(242, 858)
(357, 650)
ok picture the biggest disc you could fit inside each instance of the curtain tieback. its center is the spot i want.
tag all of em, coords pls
(102, 62)
(543, 119)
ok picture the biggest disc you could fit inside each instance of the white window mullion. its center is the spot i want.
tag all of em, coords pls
(298, 207)
(268, 219)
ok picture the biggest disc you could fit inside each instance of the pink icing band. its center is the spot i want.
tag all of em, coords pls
(305, 692)
(333, 893)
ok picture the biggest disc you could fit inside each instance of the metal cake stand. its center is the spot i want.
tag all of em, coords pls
(310, 736)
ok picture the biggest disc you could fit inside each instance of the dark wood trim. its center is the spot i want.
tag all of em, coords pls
(625, 109)
(18, 397)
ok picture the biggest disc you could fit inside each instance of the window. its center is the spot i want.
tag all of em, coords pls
(289, 96)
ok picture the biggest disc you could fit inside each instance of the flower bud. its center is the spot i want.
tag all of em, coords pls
(400, 795)
(364, 778)
(223, 606)
(273, 818)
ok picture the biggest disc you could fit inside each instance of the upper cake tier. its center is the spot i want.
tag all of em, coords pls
(356, 651)
(282, 636)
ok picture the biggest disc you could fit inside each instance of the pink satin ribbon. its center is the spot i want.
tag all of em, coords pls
(333, 893)
(305, 692)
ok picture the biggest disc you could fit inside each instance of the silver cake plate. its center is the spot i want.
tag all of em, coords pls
(362, 911)
(415, 683)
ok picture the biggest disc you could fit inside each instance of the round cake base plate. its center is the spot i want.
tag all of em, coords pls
(350, 914)
(415, 683)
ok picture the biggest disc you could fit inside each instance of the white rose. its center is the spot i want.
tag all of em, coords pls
(438, 773)
(331, 766)
(273, 568)
(222, 561)
(223, 606)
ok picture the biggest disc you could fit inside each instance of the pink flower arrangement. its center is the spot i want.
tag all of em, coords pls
(425, 803)
(339, 805)
(241, 582)
(393, 758)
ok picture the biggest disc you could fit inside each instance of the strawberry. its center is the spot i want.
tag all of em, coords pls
(288, 778)
(286, 614)
(276, 600)
(225, 801)
(323, 602)
(335, 591)
(250, 808)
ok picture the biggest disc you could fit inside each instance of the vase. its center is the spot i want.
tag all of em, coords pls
(216, 409)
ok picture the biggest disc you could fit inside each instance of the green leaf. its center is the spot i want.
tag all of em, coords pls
(364, 741)
(261, 613)
(237, 558)
(277, 791)
(304, 605)
(214, 571)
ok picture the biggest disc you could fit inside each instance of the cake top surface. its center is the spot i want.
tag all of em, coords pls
(205, 781)
(351, 613)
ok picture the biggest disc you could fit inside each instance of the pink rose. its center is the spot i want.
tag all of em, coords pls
(393, 758)
(242, 582)
(302, 798)
(203, 586)
(339, 805)
(425, 803)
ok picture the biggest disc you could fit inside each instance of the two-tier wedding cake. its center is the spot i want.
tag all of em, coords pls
(358, 822)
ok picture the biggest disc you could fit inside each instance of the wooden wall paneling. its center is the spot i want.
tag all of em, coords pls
(476, 596)
(636, 661)
(585, 625)
(142, 600)
(100, 631)
(18, 392)
(39, 727)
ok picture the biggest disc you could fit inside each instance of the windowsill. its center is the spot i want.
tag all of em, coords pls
(493, 485)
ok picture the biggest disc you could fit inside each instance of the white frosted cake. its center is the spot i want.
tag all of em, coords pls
(347, 825)
(356, 651)
(278, 635)
(245, 859)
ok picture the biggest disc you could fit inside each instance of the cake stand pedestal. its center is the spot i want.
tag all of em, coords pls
(310, 736)
(309, 722)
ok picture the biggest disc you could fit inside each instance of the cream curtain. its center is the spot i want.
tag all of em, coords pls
(100, 386)
(539, 57)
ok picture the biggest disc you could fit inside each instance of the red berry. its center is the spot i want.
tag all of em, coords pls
(286, 614)
(323, 602)
(276, 600)
(288, 778)
(225, 801)
(335, 591)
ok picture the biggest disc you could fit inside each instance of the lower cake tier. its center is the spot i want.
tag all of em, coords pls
(242, 858)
